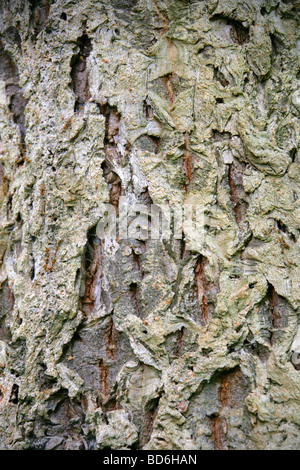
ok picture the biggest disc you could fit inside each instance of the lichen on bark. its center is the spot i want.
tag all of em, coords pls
(149, 343)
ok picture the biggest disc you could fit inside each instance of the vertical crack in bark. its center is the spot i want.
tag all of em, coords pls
(164, 20)
(112, 154)
(79, 73)
(103, 379)
(109, 339)
(148, 111)
(273, 304)
(233, 194)
(218, 423)
(218, 434)
(92, 266)
(148, 423)
(232, 390)
(201, 288)
(187, 161)
(7, 302)
(2, 393)
(137, 251)
(133, 290)
(179, 344)
(237, 192)
(16, 101)
(168, 82)
(183, 249)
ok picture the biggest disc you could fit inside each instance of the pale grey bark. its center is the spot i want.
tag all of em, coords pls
(171, 344)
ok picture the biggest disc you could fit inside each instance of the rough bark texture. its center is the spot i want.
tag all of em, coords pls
(171, 344)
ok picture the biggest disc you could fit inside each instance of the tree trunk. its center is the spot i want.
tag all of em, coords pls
(115, 338)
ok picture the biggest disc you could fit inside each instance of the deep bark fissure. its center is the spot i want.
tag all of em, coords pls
(201, 288)
(112, 155)
(16, 100)
(79, 72)
(90, 296)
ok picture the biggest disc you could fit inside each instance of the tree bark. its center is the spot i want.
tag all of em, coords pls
(144, 342)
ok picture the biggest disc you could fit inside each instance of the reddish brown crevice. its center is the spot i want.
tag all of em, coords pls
(184, 251)
(201, 288)
(232, 390)
(79, 73)
(272, 297)
(168, 82)
(148, 111)
(16, 100)
(50, 259)
(109, 339)
(103, 379)
(223, 390)
(112, 155)
(164, 20)
(147, 427)
(114, 183)
(92, 267)
(40, 10)
(187, 161)
(218, 432)
(106, 399)
(167, 86)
